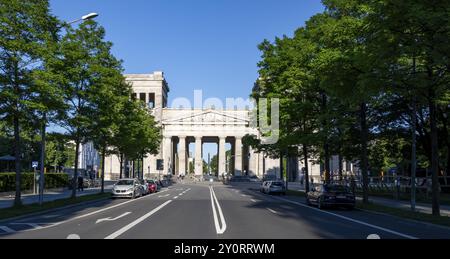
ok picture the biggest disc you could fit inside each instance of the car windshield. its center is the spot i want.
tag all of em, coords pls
(125, 182)
(277, 184)
(336, 188)
(150, 182)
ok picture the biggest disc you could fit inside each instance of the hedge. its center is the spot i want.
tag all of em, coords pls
(52, 180)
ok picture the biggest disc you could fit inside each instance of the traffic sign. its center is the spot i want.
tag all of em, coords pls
(34, 164)
(160, 164)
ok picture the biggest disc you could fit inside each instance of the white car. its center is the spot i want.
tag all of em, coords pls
(127, 188)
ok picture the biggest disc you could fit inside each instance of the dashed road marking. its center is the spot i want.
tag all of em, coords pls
(7, 229)
(73, 236)
(271, 210)
(33, 225)
(139, 220)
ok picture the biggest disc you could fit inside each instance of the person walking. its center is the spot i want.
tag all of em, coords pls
(80, 183)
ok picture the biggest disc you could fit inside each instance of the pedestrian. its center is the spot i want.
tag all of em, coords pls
(80, 183)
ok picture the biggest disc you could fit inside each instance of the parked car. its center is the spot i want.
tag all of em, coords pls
(270, 187)
(152, 186)
(127, 188)
(331, 195)
(144, 186)
(159, 185)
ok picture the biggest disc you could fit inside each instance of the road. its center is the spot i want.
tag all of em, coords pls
(203, 211)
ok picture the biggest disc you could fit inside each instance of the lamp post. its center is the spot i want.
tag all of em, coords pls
(44, 126)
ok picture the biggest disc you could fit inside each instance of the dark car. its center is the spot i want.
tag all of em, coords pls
(331, 195)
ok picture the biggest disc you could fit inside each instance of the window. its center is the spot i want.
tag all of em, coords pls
(151, 100)
(142, 97)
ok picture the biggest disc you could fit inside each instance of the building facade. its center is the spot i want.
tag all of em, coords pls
(183, 126)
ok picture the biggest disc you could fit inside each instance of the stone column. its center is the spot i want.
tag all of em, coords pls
(222, 154)
(238, 157)
(198, 156)
(252, 162)
(167, 154)
(182, 156)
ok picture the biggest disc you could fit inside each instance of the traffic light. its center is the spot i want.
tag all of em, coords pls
(160, 164)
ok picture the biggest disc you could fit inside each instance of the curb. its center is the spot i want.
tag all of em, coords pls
(52, 210)
(412, 220)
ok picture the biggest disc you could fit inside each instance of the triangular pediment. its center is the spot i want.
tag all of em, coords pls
(210, 117)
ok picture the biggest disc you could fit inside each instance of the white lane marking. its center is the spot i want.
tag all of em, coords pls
(219, 230)
(374, 236)
(176, 197)
(108, 208)
(88, 214)
(113, 219)
(49, 216)
(73, 236)
(271, 210)
(163, 196)
(139, 220)
(7, 229)
(243, 195)
(253, 200)
(350, 219)
(33, 225)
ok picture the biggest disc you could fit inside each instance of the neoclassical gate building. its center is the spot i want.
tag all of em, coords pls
(181, 127)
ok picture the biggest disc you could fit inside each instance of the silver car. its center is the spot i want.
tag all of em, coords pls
(273, 187)
(127, 188)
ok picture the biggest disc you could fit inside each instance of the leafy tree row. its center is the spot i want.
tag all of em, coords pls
(366, 80)
(53, 73)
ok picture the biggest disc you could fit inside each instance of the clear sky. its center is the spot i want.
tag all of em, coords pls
(210, 45)
(199, 44)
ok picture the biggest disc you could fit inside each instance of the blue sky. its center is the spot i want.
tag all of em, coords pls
(210, 45)
(199, 44)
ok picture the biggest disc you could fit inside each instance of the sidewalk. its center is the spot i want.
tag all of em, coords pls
(6, 202)
(421, 207)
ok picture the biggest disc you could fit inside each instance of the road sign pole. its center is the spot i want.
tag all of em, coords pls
(34, 181)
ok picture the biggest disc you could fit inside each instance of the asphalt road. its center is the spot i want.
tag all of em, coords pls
(201, 211)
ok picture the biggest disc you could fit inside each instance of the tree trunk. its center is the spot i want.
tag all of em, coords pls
(326, 146)
(42, 179)
(364, 159)
(305, 159)
(103, 169)
(327, 162)
(434, 157)
(17, 153)
(413, 153)
(121, 165)
(75, 171)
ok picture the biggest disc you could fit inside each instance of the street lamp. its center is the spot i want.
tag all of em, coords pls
(85, 17)
(44, 126)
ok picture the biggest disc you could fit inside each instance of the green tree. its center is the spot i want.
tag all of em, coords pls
(82, 51)
(27, 34)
